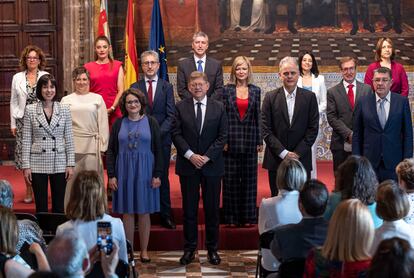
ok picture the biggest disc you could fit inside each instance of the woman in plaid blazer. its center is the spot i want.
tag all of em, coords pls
(48, 149)
(242, 103)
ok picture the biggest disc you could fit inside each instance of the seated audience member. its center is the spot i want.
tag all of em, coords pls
(282, 209)
(86, 207)
(392, 207)
(394, 258)
(405, 173)
(29, 231)
(345, 252)
(8, 240)
(355, 178)
(75, 260)
(293, 241)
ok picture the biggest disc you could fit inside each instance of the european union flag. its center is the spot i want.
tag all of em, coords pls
(157, 41)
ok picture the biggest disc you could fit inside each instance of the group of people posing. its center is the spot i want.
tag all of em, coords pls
(217, 130)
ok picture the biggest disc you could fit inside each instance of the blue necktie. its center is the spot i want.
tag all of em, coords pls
(200, 67)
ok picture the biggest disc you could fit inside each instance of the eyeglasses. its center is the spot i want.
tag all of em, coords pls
(131, 102)
(28, 58)
(197, 85)
(149, 63)
(352, 69)
(379, 80)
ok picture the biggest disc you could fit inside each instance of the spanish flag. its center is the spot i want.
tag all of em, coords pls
(131, 61)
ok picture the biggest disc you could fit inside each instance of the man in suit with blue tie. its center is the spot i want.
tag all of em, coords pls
(202, 63)
(382, 127)
(199, 134)
(160, 99)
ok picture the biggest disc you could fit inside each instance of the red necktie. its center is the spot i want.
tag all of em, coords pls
(351, 96)
(150, 92)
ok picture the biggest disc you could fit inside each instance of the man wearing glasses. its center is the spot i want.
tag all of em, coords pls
(341, 100)
(161, 105)
(382, 127)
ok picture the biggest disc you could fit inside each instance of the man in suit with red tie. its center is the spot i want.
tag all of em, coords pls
(290, 122)
(199, 134)
(383, 129)
(341, 100)
(161, 106)
(202, 63)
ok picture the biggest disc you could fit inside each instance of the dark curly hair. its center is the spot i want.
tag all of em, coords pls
(26, 51)
(137, 93)
(355, 178)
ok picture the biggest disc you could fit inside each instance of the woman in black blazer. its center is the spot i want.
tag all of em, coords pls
(242, 103)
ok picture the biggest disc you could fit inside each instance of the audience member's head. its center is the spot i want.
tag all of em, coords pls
(405, 173)
(313, 198)
(87, 199)
(8, 231)
(6, 194)
(355, 178)
(291, 175)
(392, 201)
(394, 258)
(350, 233)
(67, 255)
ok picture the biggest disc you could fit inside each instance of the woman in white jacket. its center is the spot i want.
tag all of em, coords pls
(311, 80)
(23, 92)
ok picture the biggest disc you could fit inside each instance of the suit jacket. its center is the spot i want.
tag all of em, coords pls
(279, 134)
(243, 134)
(339, 112)
(47, 148)
(18, 96)
(394, 142)
(295, 240)
(214, 73)
(210, 142)
(163, 106)
(319, 88)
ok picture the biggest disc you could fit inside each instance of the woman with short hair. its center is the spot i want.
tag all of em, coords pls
(405, 173)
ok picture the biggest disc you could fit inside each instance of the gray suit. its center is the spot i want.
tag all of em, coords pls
(339, 114)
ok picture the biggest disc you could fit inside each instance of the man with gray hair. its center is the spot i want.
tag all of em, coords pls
(290, 122)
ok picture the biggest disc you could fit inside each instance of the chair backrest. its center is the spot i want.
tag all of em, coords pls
(122, 270)
(265, 239)
(292, 268)
(49, 221)
(28, 216)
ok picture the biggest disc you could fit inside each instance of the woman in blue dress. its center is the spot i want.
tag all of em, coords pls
(134, 165)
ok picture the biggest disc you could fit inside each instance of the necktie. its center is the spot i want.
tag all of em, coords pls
(200, 65)
(382, 116)
(198, 117)
(150, 92)
(351, 96)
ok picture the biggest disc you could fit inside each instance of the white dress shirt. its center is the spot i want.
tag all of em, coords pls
(290, 102)
(390, 229)
(203, 64)
(154, 85)
(387, 103)
(189, 153)
(354, 89)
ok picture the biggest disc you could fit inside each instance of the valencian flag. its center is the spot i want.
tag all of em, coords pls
(103, 27)
(157, 41)
(131, 61)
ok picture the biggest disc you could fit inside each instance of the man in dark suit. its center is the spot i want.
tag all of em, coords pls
(160, 99)
(202, 63)
(290, 122)
(341, 100)
(382, 127)
(293, 241)
(271, 16)
(199, 134)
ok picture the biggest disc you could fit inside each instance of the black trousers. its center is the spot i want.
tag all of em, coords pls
(165, 201)
(338, 157)
(291, 12)
(384, 173)
(353, 11)
(272, 183)
(57, 187)
(190, 190)
(396, 11)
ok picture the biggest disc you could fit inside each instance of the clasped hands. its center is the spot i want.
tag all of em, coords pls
(199, 160)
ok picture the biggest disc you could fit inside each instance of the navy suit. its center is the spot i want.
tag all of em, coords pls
(209, 142)
(163, 109)
(384, 147)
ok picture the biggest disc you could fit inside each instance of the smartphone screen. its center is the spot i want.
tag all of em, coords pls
(104, 240)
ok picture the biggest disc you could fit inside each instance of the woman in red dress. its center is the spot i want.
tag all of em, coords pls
(106, 77)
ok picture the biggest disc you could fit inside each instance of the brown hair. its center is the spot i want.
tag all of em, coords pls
(392, 201)
(103, 38)
(239, 60)
(350, 232)
(137, 93)
(378, 49)
(87, 199)
(8, 231)
(347, 59)
(405, 172)
(79, 71)
(26, 51)
(196, 74)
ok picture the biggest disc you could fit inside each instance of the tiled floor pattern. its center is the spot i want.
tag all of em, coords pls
(165, 264)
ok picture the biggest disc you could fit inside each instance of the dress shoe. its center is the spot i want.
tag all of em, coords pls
(144, 260)
(269, 30)
(397, 29)
(354, 30)
(237, 29)
(369, 27)
(292, 29)
(187, 258)
(168, 223)
(213, 257)
(387, 27)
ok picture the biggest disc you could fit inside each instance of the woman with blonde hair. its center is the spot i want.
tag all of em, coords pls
(346, 251)
(405, 173)
(242, 103)
(88, 205)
